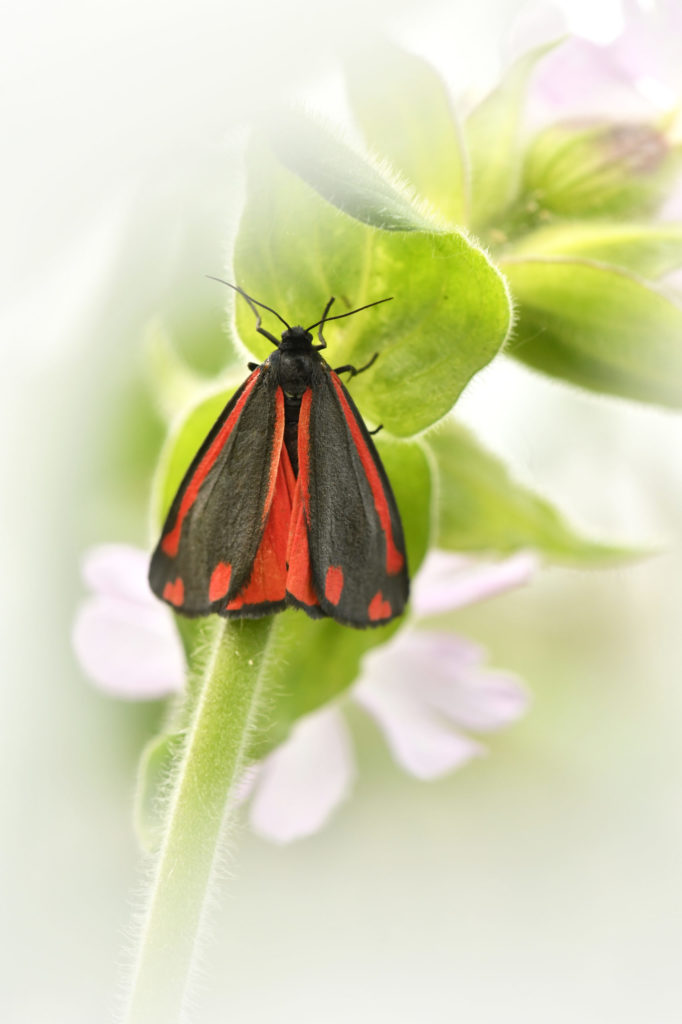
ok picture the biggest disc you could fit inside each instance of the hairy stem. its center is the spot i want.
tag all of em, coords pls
(197, 814)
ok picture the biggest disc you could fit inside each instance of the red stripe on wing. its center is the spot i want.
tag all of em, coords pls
(394, 558)
(268, 580)
(277, 448)
(299, 576)
(171, 541)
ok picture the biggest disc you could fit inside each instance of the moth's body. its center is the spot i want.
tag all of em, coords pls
(295, 364)
(286, 503)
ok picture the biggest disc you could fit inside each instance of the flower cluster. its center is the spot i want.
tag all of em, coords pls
(424, 688)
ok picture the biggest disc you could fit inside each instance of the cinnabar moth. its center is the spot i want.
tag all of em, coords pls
(286, 502)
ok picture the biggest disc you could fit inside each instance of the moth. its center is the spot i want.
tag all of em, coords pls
(286, 503)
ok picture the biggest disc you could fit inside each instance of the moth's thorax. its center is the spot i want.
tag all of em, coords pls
(295, 361)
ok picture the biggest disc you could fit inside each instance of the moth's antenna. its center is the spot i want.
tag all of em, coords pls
(251, 302)
(340, 316)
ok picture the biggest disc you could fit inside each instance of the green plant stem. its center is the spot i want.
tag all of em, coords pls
(197, 814)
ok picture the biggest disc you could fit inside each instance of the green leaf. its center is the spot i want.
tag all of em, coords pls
(403, 108)
(451, 310)
(315, 661)
(482, 509)
(492, 134)
(599, 327)
(650, 249)
(344, 177)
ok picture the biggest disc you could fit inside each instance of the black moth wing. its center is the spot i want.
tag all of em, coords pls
(345, 530)
(225, 522)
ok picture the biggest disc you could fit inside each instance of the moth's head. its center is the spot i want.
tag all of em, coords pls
(296, 338)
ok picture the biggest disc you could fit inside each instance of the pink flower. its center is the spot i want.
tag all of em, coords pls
(635, 76)
(125, 640)
(426, 689)
(631, 85)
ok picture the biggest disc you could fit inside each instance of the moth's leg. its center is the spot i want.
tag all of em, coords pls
(323, 343)
(354, 371)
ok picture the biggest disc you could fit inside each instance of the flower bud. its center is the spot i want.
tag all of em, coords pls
(599, 170)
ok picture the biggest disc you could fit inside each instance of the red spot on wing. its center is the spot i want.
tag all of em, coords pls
(268, 580)
(174, 592)
(170, 544)
(220, 581)
(394, 558)
(299, 576)
(378, 608)
(333, 584)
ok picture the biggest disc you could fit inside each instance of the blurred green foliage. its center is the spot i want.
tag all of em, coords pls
(482, 509)
(567, 197)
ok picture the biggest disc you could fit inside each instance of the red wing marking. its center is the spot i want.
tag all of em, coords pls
(220, 581)
(268, 580)
(299, 576)
(171, 542)
(275, 461)
(378, 608)
(304, 449)
(394, 559)
(174, 592)
(288, 474)
(333, 584)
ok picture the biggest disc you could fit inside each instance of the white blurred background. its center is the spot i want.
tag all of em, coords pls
(540, 885)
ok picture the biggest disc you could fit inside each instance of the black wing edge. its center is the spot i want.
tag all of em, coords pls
(163, 568)
(398, 584)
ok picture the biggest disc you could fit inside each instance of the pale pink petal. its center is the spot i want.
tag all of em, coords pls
(649, 47)
(447, 581)
(422, 683)
(127, 649)
(118, 570)
(580, 79)
(419, 740)
(446, 673)
(483, 701)
(304, 779)
(634, 76)
(412, 656)
(473, 697)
